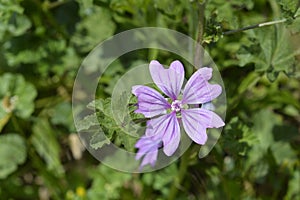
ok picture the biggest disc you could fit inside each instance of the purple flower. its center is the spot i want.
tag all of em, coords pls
(179, 107)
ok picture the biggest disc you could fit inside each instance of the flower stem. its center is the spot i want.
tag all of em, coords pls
(256, 26)
(184, 162)
(198, 62)
(199, 53)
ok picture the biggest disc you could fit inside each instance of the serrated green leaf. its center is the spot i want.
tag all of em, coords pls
(237, 137)
(12, 153)
(224, 11)
(276, 53)
(288, 7)
(87, 122)
(294, 26)
(127, 140)
(98, 140)
(120, 131)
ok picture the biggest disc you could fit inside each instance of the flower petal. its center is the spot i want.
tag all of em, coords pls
(150, 102)
(198, 90)
(206, 73)
(148, 147)
(171, 138)
(169, 81)
(150, 158)
(196, 120)
(167, 128)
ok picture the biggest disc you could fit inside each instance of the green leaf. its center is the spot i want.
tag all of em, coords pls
(127, 139)
(12, 153)
(95, 27)
(293, 191)
(237, 138)
(98, 140)
(62, 114)
(264, 122)
(294, 26)
(276, 52)
(225, 11)
(17, 96)
(283, 153)
(13, 21)
(161, 180)
(44, 141)
(263, 128)
(120, 131)
(87, 122)
(107, 183)
(288, 7)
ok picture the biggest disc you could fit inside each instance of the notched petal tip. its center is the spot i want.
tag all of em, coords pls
(217, 121)
(198, 90)
(170, 80)
(155, 64)
(215, 91)
(177, 66)
(205, 73)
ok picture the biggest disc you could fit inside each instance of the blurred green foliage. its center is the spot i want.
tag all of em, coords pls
(43, 42)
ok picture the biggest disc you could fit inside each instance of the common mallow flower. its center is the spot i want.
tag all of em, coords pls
(178, 107)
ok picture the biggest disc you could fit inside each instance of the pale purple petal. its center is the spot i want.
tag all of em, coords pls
(150, 102)
(178, 67)
(150, 158)
(197, 120)
(155, 126)
(167, 128)
(205, 72)
(148, 149)
(169, 81)
(171, 137)
(198, 90)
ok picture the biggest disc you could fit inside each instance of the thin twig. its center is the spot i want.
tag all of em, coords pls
(254, 26)
(257, 26)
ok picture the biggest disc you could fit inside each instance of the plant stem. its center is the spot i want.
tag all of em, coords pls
(199, 53)
(198, 62)
(184, 162)
(254, 26)
(257, 26)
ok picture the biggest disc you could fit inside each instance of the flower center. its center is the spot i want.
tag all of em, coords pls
(176, 105)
